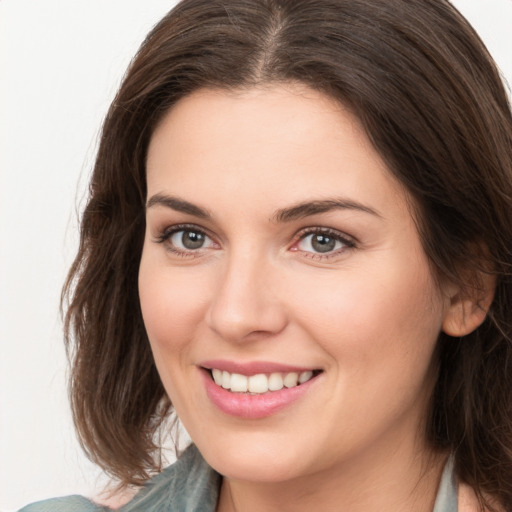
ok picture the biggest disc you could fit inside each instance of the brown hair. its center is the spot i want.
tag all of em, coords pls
(432, 102)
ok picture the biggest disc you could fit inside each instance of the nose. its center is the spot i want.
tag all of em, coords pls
(246, 302)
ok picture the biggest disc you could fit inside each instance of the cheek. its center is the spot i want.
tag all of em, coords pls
(172, 303)
(374, 322)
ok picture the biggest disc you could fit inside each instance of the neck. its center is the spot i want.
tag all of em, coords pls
(370, 482)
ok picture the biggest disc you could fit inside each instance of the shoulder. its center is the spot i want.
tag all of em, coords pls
(65, 504)
(468, 501)
(189, 484)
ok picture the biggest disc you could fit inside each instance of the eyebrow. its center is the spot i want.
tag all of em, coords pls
(177, 204)
(309, 208)
(295, 212)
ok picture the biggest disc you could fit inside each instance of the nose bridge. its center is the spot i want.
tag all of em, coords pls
(246, 299)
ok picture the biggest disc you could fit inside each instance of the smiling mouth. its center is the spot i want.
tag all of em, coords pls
(261, 382)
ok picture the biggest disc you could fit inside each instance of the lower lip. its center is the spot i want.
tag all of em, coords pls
(248, 406)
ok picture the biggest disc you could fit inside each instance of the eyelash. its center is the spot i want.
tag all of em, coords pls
(167, 234)
(346, 241)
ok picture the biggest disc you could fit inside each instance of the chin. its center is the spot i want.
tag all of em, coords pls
(257, 456)
(256, 469)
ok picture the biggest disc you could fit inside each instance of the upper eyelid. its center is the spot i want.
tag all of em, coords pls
(175, 228)
(326, 230)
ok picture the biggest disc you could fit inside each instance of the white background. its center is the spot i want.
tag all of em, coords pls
(60, 65)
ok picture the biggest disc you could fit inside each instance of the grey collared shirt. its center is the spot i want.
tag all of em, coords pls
(190, 485)
(446, 500)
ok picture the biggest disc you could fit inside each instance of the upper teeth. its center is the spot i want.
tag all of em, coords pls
(259, 383)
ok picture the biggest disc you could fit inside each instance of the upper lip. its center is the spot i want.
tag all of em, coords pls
(253, 367)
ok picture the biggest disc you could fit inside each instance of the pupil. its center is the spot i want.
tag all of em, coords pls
(192, 240)
(323, 243)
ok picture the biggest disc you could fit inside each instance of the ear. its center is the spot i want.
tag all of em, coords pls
(468, 307)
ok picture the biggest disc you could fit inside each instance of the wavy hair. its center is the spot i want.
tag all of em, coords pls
(433, 104)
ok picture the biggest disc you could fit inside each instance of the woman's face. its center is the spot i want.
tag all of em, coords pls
(281, 258)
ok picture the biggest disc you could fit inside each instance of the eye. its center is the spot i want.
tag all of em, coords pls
(188, 239)
(323, 242)
(185, 240)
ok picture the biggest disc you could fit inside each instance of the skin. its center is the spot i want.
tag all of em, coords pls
(367, 313)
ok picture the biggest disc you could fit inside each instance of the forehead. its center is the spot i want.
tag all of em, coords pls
(269, 145)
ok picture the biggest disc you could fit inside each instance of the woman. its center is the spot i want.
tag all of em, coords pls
(298, 238)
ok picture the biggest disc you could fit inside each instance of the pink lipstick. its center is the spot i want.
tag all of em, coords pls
(255, 390)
